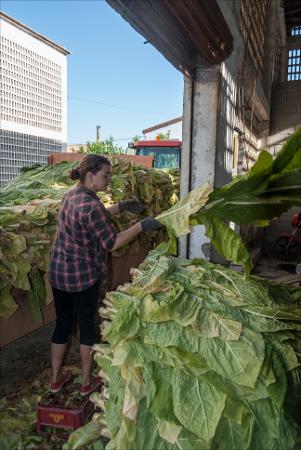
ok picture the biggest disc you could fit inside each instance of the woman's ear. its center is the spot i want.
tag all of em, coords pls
(89, 177)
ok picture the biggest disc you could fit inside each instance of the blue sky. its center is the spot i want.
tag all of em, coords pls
(109, 63)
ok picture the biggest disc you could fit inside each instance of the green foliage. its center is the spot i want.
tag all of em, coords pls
(195, 359)
(85, 435)
(163, 136)
(106, 147)
(28, 215)
(137, 137)
(267, 191)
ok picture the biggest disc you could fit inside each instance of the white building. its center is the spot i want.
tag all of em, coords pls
(33, 105)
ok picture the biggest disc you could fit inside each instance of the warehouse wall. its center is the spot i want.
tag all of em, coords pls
(286, 106)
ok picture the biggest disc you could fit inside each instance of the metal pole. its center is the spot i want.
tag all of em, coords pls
(97, 132)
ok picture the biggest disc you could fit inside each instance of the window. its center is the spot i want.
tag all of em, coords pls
(296, 31)
(294, 65)
(252, 25)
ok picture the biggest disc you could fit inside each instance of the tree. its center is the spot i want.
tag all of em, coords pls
(106, 147)
(136, 138)
(163, 136)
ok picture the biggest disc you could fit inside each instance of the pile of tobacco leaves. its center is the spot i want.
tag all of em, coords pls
(28, 217)
(196, 356)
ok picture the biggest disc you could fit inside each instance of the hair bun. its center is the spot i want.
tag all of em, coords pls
(74, 174)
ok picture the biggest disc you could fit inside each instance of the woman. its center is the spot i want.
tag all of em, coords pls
(78, 263)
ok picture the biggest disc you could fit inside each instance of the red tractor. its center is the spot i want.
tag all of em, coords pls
(167, 152)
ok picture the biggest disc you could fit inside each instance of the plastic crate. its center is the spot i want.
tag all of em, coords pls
(49, 415)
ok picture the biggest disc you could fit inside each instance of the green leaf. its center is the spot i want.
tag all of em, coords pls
(7, 304)
(36, 297)
(169, 431)
(236, 436)
(83, 436)
(212, 325)
(177, 217)
(289, 156)
(240, 361)
(197, 405)
(289, 313)
(227, 243)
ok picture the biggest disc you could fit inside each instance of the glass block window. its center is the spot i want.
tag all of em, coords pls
(19, 150)
(252, 25)
(294, 65)
(30, 87)
(296, 31)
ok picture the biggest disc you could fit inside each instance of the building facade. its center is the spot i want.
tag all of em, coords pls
(33, 100)
(241, 61)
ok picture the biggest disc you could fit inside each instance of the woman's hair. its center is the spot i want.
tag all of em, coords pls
(90, 163)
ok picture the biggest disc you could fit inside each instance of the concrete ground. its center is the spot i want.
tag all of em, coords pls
(25, 359)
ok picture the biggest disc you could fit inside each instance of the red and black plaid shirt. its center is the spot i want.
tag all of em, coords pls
(83, 238)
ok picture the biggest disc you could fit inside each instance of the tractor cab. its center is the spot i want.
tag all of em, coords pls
(167, 153)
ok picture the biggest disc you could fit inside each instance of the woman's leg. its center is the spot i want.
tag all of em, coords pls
(58, 353)
(63, 328)
(85, 303)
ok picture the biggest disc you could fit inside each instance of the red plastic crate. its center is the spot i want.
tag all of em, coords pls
(50, 415)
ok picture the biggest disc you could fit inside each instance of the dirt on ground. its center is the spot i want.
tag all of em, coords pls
(25, 379)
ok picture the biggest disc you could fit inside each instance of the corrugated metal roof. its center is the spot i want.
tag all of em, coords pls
(292, 11)
(185, 32)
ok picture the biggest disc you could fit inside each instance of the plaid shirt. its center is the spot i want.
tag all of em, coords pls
(83, 238)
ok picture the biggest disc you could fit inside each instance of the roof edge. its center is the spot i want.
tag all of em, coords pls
(33, 33)
(162, 124)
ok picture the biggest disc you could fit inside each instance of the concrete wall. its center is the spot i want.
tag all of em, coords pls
(286, 106)
(285, 119)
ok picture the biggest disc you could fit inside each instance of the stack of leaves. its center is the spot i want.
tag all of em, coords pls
(199, 358)
(28, 216)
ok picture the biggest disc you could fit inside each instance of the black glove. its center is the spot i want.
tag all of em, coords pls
(132, 206)
(150, 224)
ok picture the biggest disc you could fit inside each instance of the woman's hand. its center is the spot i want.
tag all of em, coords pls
(150, 224)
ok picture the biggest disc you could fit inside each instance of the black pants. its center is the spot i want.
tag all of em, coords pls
(84, 304)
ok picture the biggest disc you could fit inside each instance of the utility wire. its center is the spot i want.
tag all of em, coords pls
(113, 106)
(91, 141)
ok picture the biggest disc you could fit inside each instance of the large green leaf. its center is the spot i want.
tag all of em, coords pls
(289, 156)
(211, 324)
(226, 241)
(240, 360)
(197, 405)
(177, 217)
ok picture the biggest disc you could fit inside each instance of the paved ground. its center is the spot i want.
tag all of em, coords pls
(26, 358)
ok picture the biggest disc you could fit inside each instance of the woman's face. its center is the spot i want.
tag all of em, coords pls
(101, 179)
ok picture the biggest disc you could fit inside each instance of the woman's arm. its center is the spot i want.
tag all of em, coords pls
(126, 236)
(146, 224)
